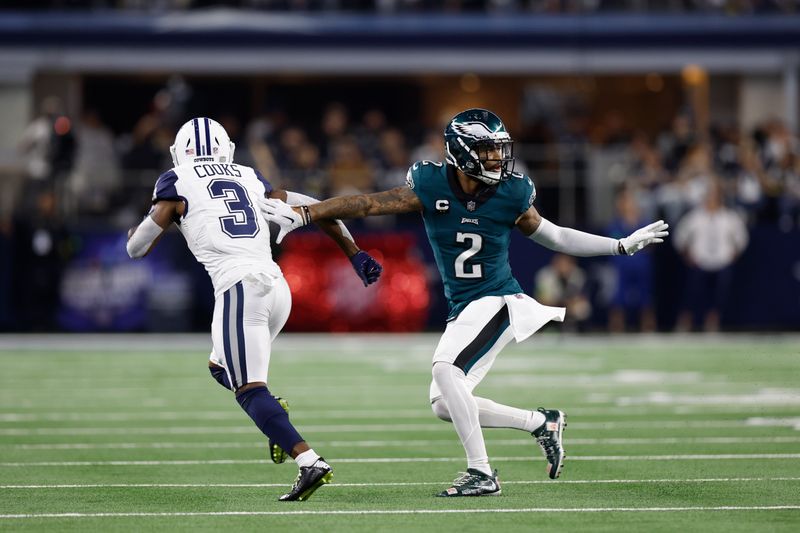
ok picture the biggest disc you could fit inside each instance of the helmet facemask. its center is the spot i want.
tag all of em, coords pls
(495, 160)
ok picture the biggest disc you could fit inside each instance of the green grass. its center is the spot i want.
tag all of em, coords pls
(665, 433)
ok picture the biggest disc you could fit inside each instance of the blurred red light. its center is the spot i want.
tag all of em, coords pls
(62, 125)
(328, 296)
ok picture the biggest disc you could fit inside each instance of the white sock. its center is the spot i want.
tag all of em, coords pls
(464, 413)
(307, 458)
(497, 415)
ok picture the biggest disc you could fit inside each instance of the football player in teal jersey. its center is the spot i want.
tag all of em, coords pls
(470, 204)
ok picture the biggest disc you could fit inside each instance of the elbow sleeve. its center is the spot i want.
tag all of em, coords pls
(571, 241)
(142, 239)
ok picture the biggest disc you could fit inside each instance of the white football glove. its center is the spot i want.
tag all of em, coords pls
(650, 234)
(283, 215)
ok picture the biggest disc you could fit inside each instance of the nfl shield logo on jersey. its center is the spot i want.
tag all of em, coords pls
(471, 206)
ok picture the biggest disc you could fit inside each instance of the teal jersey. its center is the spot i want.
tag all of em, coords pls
(470, 234)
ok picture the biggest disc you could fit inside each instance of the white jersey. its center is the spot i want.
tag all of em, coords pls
(222, 224)
(713, 239)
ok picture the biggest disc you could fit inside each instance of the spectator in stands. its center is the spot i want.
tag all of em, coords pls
(689, 187)
(632, 300)
(149, 141)
(646, 174)
(393, 159)
(749, 180)
(335, 126)
(97, 174)
(35, 145)
(674, 143)
(431, 148)
(47, 147)
(348, 171)
(562, 283)
(783, 178)
(710, 238)
(369, 132)
(41, 246)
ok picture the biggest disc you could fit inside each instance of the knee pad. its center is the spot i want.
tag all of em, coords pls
(440, 409)
(443, 373)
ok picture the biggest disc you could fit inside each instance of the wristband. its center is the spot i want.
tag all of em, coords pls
(306, 214)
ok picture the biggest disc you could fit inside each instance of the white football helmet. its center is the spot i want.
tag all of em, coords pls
(202, 139)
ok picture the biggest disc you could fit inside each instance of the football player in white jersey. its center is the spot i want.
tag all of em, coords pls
(213, 202)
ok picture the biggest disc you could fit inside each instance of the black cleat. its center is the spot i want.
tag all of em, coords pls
(308, 480)
(549, 437)
(276, 453)
(473, 483)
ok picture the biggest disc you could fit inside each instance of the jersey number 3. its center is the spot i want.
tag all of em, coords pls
(242, 221)
(463, 270)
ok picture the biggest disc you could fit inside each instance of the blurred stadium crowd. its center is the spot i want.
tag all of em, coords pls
(711, 186)
(728, 7)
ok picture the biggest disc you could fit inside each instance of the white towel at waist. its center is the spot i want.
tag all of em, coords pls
(527, 315)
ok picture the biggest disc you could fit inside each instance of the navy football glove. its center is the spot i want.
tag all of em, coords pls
(366, 267)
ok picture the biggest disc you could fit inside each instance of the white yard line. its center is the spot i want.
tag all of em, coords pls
(394, 484)
(321, 414)
(352, 428)
(190, 462)
(397, 443)
(414, 511)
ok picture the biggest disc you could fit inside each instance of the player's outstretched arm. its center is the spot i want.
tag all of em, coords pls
(579, 243)
(393, 201)
(367, 268)
(143, 237)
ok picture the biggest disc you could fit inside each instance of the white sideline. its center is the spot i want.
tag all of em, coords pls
(394, 484)
(416, 511)
(688, 457)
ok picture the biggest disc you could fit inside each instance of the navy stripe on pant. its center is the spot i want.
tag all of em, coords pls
(484, 341)
(226, 339)
(240, 332)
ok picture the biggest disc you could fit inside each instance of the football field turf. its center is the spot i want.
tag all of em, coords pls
(665, 433)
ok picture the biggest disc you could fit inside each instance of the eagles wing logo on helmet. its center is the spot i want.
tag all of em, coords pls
(477, 143)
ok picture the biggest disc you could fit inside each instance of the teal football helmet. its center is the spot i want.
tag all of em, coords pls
(477, 143)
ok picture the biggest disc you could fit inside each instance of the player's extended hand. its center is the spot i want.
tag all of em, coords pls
(650, 234)
(281, 214)
(367, 268)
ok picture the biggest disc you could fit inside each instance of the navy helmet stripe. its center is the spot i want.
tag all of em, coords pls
(208, 137)
(198, 149)
(484, 341)
(240, 331)
(226, 339)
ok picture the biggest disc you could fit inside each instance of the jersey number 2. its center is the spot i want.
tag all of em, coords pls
(475, 270)
(242, 221)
